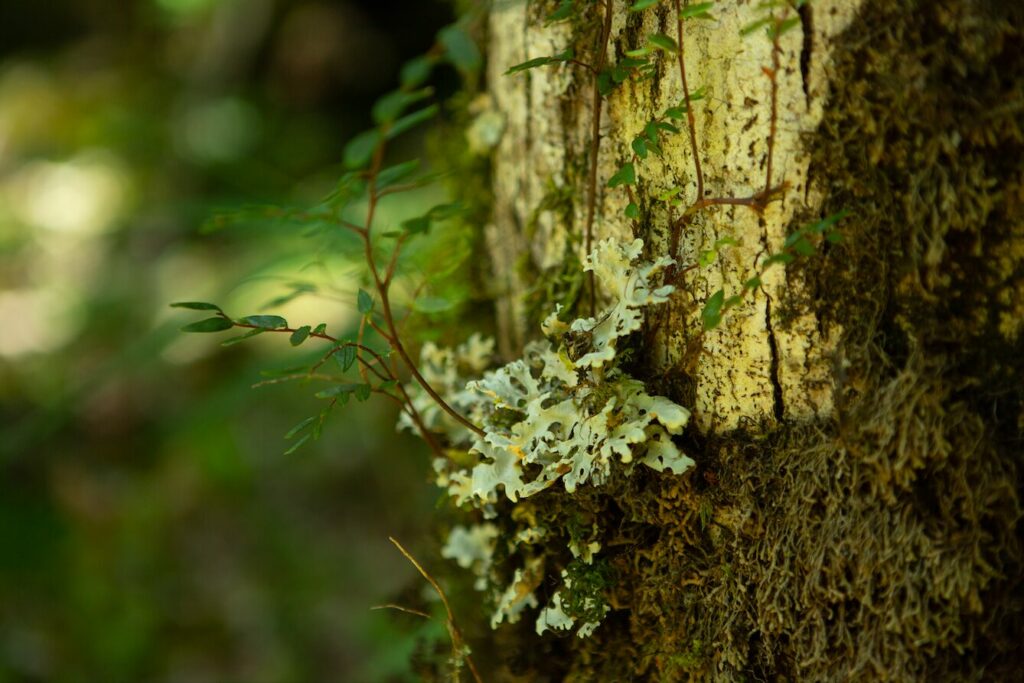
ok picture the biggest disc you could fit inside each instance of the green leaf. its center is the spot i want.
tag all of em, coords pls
(641, 5)
(459, 48)
(364, 302)
(640, 52)
(291, 433)
(834, 236)
(345, 356)
(197, 306)
(640, 147)
(827, 222)
(726, 241)
(562, 56)
(432, 304)
(320, 329)
(564, 10)
(390, 106)
(439, 212)
(698, 11)
(266, 322)
(416, 71)
(605, 84)
(633, 211)
(754, 25)
(362, 392)
(531, 64)
(393, 174)
(241, 338)
(803, 247)
(734, 300)
(712, 313)
(675, 113)
(318, 426)
(624, 176)
(359, 149)
(339, 391)
(707, 257)
(663, 42)
(662, 125)
(388, 385)
(300, 335)
(416, 225)
(752, 283)
(781, 28)
(298, 444)
(209, 325)
(411, 121)
(697, 94)
(782, 258)
(631, 63)
(651, 131)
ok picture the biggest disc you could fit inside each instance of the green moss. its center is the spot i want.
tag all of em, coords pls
(883, 544)
(587, 586)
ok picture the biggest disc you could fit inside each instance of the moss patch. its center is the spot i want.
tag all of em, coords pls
(884, 544)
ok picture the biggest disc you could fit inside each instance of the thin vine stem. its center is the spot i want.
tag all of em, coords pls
(595, 148)
(773, 77)
(757, 201)
(691, 123)
(459, 650)
(383, 285)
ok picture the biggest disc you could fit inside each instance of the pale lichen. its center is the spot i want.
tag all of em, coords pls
(566, 411)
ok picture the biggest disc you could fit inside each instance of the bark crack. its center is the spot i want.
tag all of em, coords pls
(807, 26)
(773, 370)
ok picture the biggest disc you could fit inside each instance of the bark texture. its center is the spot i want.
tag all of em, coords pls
(749, 371)
(854, 514)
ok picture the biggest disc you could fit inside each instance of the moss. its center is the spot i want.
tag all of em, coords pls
(587, 585)
(883, 544)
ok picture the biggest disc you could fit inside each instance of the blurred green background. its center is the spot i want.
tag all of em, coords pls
(151, 528)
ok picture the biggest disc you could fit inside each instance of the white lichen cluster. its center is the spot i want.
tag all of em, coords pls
(565, 412)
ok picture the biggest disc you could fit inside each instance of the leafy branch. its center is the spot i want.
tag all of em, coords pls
(393, 114)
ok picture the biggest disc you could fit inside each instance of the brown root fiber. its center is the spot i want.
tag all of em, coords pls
(884, 544)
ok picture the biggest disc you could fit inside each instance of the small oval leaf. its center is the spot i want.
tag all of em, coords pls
(364, 302)
(300, 335)
(196, 306)
(360, 149)
(209, 325)
(266, 322)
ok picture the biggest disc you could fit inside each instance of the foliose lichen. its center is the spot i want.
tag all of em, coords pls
(565, 412)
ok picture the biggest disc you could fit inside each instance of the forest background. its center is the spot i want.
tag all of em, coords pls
(151, 527)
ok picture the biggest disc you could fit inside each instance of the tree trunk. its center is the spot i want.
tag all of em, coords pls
(858, 417)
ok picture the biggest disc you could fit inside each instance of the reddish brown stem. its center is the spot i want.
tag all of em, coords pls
(586, 66)
(595, 149)
(691, 123)
(458, 649)
(382, 285)
(773, 123)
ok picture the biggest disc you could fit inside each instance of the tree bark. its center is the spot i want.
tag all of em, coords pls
(854, 513)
